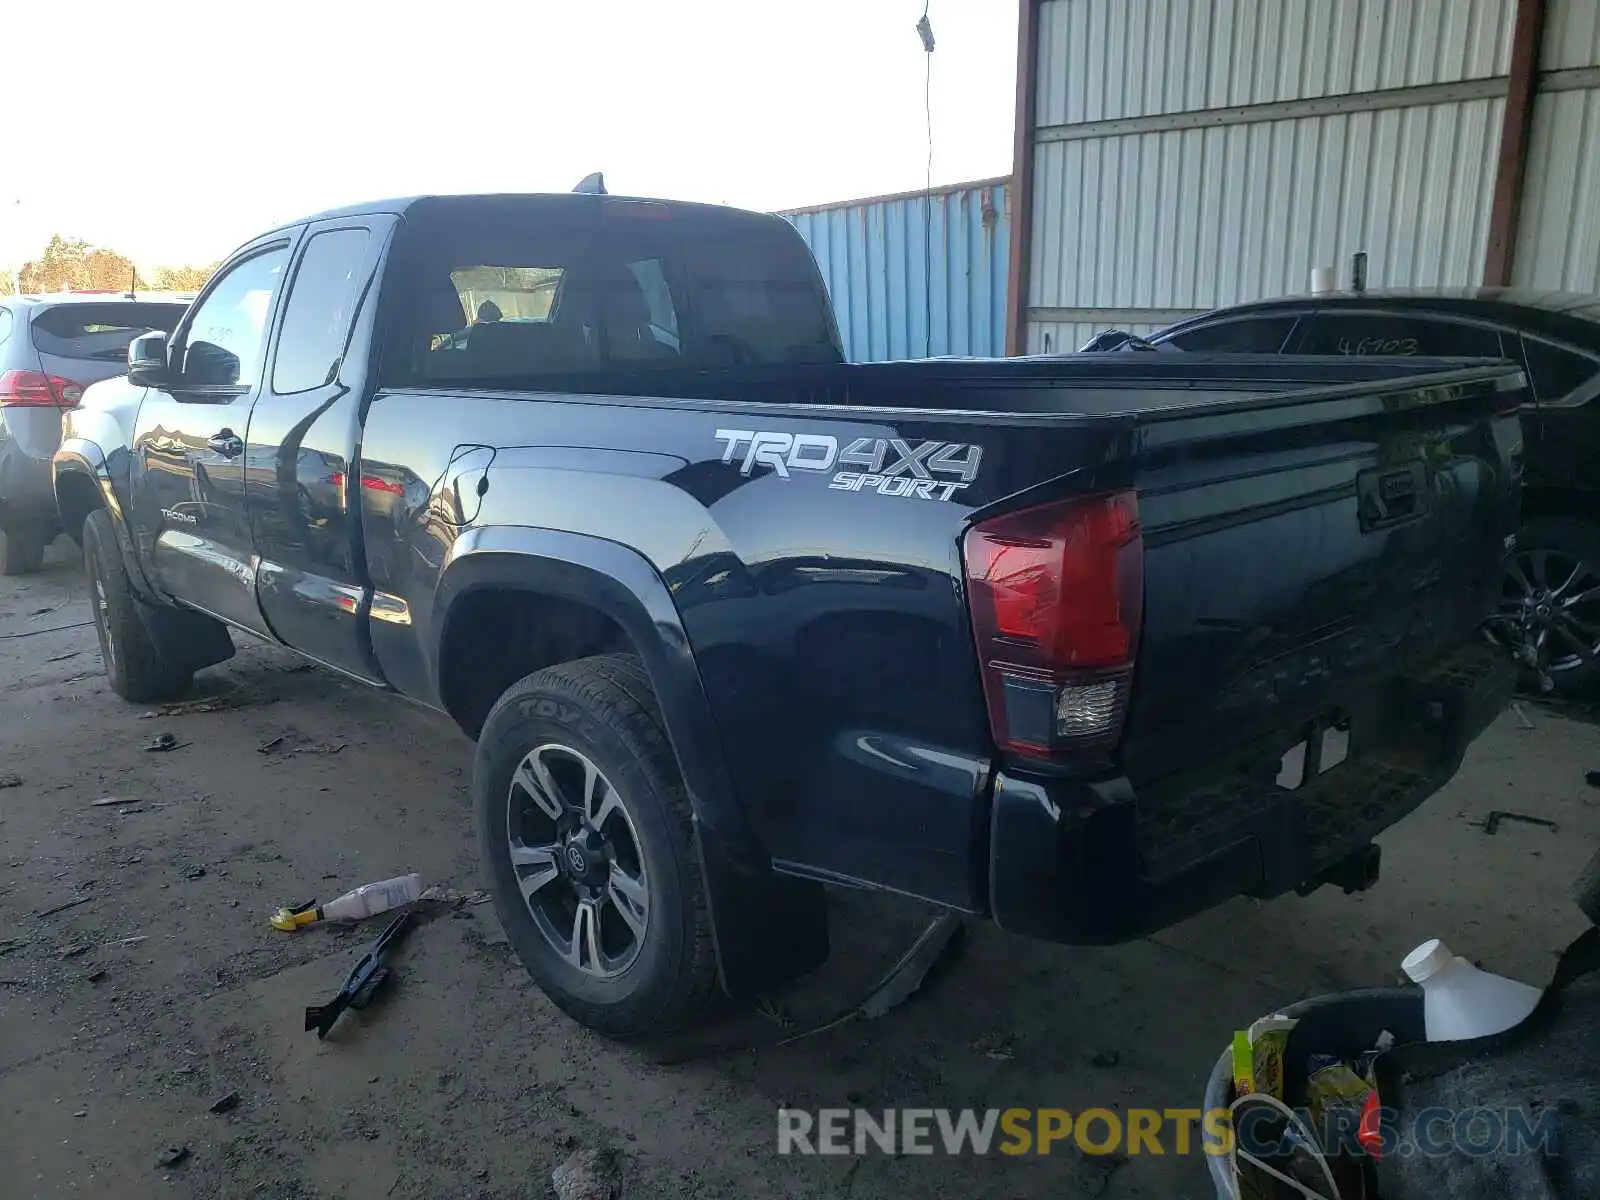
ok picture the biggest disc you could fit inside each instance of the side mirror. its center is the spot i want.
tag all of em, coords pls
(205, 363)
(147, 360)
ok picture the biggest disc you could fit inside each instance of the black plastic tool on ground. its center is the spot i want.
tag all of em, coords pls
(365, 978)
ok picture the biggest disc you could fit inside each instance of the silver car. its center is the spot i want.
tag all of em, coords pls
(51, 348)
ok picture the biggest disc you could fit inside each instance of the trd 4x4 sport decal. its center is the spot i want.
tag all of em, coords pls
(889, 466)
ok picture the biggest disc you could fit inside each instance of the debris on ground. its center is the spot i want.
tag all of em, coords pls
(357, 904)
(171, 1156)
(112, 801)
(587, 1175)
(1522, 715)
(61, 908)
(292, 742)
(902, 980)
(224, 1103)
(195, 873)
(1592, 778)
(439, 894)
(1491, 823)
(364, 981)
(907, 975)
(932, 950)
(75, 949)
(1105, 1059)
(162, 744)
(95, 976)
(10, 944)
(996, 1046)
(188, 707)
(55, 658)
(775, 1012)
(10, 781)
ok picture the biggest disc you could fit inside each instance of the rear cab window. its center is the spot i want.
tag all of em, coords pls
(543, 288)
(1237, 335)
(100, 331)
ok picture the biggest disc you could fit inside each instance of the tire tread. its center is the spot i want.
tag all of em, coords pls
(146, 676)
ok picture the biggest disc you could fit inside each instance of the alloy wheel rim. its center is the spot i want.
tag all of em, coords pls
(577, 860)
(102, 612)
(1550, 602)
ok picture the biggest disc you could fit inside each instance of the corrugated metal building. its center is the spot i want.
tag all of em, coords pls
(1558, 235)
(1177, 155)
(916, 274)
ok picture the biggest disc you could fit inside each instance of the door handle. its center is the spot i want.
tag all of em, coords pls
(226, 443)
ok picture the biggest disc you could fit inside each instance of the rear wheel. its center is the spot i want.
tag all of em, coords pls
(586, 829)
(137, 669)
(1550, 603)
(21, 552)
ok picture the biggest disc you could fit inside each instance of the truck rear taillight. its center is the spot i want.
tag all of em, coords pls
(1056, 594)
(35, 389)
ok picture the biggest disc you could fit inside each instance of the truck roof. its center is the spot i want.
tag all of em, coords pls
(576, 201)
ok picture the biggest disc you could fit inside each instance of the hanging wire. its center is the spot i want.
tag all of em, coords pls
(925, 32)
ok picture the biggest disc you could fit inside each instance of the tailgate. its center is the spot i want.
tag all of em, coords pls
(1302, 549)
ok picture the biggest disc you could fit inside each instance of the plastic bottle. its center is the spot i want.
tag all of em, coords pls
(372, 898)
(1459, 1001)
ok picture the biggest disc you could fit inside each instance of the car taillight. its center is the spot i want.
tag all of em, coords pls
(35, 389)
(1057, 594)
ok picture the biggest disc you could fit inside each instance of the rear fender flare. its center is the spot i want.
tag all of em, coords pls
(750, 904)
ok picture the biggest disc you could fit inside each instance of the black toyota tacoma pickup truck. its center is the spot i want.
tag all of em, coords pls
(1082, 646)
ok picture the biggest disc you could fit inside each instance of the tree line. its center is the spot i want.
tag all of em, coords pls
(73, 265)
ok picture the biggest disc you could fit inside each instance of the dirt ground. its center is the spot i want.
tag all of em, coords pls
(123, 1017)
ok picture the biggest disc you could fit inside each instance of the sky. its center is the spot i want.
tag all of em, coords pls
(185, 128)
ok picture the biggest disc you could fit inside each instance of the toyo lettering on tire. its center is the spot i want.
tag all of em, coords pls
(586, 830)
(135, 666)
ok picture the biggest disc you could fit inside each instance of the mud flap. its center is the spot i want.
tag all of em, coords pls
(186, 637)
(190, 638)
(769, 929)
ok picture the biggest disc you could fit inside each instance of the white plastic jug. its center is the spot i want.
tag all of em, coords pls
(373, 898)
(1459, 1001)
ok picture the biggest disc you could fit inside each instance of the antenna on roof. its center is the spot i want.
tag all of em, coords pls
(592, 185)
